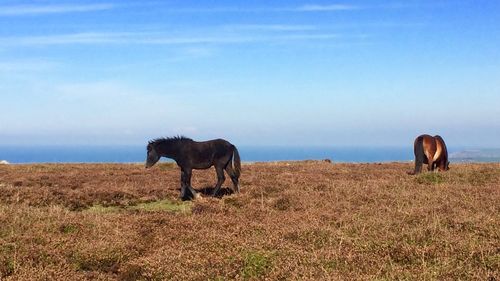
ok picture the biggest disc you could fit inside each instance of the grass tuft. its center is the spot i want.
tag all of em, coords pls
(163, 205)
(68, 228)
(101, 261)
(430, 178)
(100, 209)
(282, 204)
(255, 265)
(166, 166)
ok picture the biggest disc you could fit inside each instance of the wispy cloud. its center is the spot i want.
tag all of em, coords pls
(103, 38)
(31, 10)
(27, 66)
(271, 27)
(275, 9)
(327, 8)
(308, 8)
(66, 39)
(115, 105)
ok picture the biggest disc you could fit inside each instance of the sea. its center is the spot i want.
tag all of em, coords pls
(137, 154)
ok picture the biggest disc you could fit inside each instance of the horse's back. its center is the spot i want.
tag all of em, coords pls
(214, 142)
(424, 145)
(223, 147)
(429, 144)
(217, 148)
(433, 147)
(426, 142)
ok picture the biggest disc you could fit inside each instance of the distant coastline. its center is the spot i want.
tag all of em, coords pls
(476, 155)
(249, 154)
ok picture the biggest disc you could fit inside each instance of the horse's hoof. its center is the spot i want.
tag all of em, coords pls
(197, 196)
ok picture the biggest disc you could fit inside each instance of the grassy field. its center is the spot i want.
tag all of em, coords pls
(293, 221)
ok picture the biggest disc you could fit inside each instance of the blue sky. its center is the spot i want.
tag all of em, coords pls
(253, 72)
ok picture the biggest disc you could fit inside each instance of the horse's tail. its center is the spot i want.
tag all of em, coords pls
(419, 154)
(444, 152)
(236, 162)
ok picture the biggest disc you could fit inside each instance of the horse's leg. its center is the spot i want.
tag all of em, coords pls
(189, 173)
(430, 162)
(234, 178)
(430, 166)
(220, 179)
(183, 185)
(419, 161)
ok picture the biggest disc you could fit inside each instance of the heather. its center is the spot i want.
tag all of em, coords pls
(308, 220)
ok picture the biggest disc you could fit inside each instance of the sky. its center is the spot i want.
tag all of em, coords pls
(308, 72)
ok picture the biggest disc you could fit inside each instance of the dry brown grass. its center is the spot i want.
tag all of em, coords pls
(292, 221)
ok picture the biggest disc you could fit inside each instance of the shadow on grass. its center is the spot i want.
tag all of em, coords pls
(208, 191)
(224, 191)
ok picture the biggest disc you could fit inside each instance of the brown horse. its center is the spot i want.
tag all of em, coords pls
(431, 151)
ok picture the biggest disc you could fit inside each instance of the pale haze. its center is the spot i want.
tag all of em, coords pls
(363, 73)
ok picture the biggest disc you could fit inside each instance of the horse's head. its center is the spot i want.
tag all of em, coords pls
(444, 167)
(152, 156)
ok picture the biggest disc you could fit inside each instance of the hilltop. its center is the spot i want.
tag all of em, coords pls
(293, 220)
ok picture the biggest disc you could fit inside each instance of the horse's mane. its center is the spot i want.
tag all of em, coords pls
(168, 140)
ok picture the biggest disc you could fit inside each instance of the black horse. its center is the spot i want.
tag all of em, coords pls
(189, 155)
